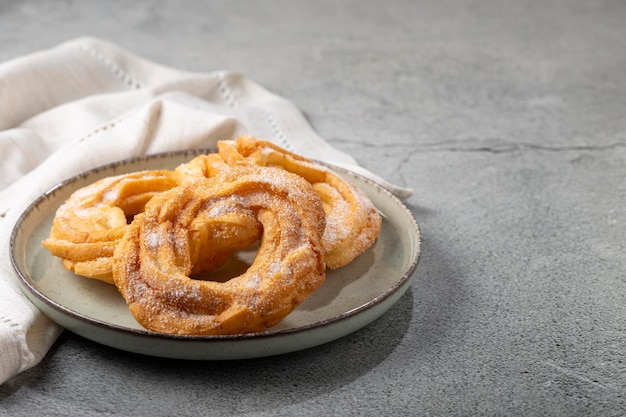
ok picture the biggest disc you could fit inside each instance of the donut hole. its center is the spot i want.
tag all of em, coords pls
(237, 264)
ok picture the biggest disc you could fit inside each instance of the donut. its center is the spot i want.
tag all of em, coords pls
(352, 222)
(88, 225)
(153, 262)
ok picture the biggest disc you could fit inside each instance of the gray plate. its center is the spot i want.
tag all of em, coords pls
(351, 297)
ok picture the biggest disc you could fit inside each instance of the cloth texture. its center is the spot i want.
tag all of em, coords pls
(86, 103)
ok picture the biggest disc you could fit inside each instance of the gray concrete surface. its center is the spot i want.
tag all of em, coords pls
(507, 118)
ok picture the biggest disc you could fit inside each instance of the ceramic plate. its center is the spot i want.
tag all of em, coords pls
(351, 297)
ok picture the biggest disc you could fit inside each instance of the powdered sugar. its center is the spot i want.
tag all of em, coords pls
(152, 240)
(110, 196)
(253, 281)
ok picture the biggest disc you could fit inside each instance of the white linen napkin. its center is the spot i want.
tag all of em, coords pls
(88, 102)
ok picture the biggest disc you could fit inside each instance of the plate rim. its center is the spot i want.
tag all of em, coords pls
(26, 284)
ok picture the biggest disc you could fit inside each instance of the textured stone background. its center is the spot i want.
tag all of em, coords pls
(507, 118)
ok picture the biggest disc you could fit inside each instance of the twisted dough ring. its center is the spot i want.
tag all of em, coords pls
(352, 222)
(153, 261)
(88, 225)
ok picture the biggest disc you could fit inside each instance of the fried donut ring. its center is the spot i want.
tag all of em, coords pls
(352, 222)
(93, 219)
(152, 263)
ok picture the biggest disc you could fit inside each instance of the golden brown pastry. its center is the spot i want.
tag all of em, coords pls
(154, 260)
(93, 219)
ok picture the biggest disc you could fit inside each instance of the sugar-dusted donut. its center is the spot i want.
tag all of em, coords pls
(154, 260)
(88, 225)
